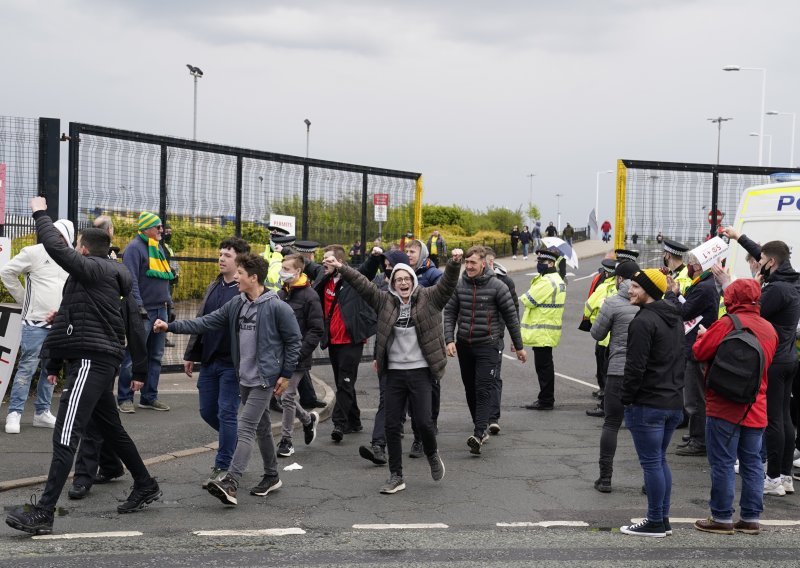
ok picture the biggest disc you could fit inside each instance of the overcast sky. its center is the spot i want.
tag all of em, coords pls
(475, 95)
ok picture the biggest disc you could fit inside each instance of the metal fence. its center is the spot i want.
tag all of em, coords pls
(676, 200)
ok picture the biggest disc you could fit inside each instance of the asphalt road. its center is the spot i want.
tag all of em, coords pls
(528, 499)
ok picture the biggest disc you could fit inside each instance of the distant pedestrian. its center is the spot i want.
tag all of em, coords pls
(651, 393)
(605, 228)
(514, 234)
(526, 239)
(437, 247)
(356, 253)
(568, 233)
(551, 230)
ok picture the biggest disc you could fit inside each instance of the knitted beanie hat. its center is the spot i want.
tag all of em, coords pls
(148, 220)
(653, 281)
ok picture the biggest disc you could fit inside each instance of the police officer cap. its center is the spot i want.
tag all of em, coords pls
(275, 230)
(548, 254)
(674, 247)
(609, 265)
(306, 246)
(627, 253)
(284, 240)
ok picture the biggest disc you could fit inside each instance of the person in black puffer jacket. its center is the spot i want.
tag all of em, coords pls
(475, 319)
(780, 306)
(89, 333)
(304, 301)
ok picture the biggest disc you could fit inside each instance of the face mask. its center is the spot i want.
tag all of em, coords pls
(690, 271)
(542, 267)
(666, 262)
(287, 276)
(167, 238)
(764, 271)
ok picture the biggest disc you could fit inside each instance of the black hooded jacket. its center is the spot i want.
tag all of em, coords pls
(656, 358)
(780, 303)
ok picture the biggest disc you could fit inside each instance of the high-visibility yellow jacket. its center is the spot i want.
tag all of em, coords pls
(544, 310)
(274, 259)
(606, 288)
(682, 279)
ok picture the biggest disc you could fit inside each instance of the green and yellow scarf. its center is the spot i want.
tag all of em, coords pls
(158, 267)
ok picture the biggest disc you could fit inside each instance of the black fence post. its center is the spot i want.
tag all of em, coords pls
(49, 162)
(162, 185)
(714, 199)
(304, 217)
(74, 170)
(239, 166)
(364, 192)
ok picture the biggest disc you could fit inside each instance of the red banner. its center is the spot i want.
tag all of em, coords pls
(2, 194)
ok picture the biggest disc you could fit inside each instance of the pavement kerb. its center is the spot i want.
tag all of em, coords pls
(324, 414)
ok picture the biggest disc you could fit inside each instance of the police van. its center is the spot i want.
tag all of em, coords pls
(767, 213)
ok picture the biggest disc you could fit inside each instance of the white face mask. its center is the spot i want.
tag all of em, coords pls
(287, 276)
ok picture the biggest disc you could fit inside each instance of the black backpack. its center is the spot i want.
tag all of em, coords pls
(736, 371)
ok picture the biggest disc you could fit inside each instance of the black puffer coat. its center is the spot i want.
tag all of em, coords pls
(479, 309)
(307, 308)
(97, 307)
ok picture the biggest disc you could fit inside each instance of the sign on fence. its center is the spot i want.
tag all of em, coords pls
(10, 324)
(381, 203)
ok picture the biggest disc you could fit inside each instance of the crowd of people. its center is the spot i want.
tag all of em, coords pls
(660, 335)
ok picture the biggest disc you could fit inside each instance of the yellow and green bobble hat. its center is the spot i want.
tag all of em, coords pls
(148, 220)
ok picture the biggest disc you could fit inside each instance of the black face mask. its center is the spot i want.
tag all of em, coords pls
(666, 261)
(542, 267)
(690, 271)
(167, 238)
(764, 271)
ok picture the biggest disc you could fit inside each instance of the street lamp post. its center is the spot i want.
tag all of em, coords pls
(597, 196)
(794, 122)
(763, 104)
(769, 146)
(718, 121)
(558, 210)
(196, 74)
(308, 134)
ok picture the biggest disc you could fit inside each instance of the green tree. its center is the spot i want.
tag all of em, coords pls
(502, 218)
(533, 212)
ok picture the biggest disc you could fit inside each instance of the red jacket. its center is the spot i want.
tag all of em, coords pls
(741, 298)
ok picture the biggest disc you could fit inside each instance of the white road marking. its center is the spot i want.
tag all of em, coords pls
(72, 536)
(545, 524)
(255, 532)
(590, 385)
(401, 526)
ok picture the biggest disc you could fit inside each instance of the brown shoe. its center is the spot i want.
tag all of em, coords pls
(747, 527)
(712, 526)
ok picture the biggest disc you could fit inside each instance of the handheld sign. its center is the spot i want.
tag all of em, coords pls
(710, 252)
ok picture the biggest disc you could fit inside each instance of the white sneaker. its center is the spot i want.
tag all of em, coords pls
(12, 422)
(44, 420)
(524, 258)
(774, 486)
(514, 257)
(736, 467)
(788, 484)
(796, 461)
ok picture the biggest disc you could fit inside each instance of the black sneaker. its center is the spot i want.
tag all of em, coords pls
(394, 485)
(645, 528)
(603, 484)
(285, 448)
(224, 490)
(275, 404)
(667, 526)
(31, 519)
(310, 429)
(416, 449)
(140, 496)
(474, 445)
(596, 412)
(536, 405)
(78, 491)
(437, 466)
(691, 449)
(337, 435)
(267, 485)
(103, 478)
(353, 429)
(376, 454)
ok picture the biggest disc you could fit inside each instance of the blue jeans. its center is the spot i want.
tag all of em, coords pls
(30, 346)
(651, 430)
(155, 351)
(725, 442)
(524, 249)
(218, 388)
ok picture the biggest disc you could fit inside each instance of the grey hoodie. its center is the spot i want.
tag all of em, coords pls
(404, 351)
(427, 273)
(615, 316)
(275, 331)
